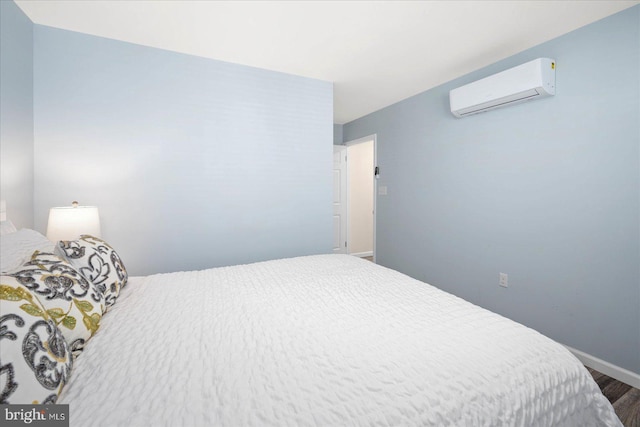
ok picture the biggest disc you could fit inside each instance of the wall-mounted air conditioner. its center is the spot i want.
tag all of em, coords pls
(532, 80)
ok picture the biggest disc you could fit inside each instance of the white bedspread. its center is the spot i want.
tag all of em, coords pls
(321, 340)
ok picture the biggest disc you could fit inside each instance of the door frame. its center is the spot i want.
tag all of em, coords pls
(344, 188)
(373, 138)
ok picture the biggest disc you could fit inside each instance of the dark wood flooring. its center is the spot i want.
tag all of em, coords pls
(624, 398)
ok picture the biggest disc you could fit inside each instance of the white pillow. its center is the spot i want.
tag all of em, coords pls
(7, 227)
(17, 248)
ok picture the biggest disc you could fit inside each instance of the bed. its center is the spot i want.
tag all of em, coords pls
(318, 340)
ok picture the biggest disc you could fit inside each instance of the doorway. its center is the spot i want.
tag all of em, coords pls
(355, 198)
(340, 200)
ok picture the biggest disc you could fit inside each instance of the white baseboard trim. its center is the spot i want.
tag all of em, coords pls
(362, 254)
(607, 368)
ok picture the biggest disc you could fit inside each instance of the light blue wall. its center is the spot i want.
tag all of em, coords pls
(16, 113)
(192, 162)
(547, 192)
(337, 134)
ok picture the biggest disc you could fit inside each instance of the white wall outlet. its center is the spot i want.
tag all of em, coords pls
(504, 280)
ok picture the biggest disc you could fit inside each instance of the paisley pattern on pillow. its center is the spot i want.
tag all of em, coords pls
(96, 260)
(50, 276)
(35, 359)
(74, 304)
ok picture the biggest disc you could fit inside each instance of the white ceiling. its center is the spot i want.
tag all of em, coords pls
(375, 52)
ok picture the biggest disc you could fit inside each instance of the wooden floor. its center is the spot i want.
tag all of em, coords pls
(624, 398)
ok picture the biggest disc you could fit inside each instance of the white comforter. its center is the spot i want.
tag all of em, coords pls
(321, 340)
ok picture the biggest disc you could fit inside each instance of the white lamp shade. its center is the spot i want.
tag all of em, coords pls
(69, 223)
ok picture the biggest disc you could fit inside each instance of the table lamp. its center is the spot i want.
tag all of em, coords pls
(70, 222)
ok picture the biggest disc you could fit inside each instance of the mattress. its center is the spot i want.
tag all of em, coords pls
(320, 340)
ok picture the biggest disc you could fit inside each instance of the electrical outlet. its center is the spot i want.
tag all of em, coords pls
(504, 280)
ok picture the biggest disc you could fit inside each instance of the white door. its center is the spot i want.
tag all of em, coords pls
(360, 206)
(339, 199)
(362, 165)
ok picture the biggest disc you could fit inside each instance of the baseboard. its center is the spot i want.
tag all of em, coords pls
(607, 368)
(362, 254)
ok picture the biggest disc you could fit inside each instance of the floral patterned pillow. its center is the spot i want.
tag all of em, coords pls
(98, 262)
(35, 359)
(74, 304)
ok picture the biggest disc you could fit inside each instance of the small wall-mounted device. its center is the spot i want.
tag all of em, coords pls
(531, 80)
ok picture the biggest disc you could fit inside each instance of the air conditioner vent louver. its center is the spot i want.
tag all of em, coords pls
(532, 80)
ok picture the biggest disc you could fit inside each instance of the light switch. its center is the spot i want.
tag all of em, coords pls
(382, 190)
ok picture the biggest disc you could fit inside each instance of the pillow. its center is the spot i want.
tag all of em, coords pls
(35, 361)
(16, 248)
(98, 262)
(74, 304)
(7, 227)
